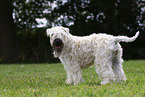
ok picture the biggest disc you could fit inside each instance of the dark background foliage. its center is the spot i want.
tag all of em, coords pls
(21, 40)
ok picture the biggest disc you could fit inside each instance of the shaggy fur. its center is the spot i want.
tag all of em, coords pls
(77, 53)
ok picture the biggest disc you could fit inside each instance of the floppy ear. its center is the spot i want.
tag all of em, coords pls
(48, 32)
(66, 30)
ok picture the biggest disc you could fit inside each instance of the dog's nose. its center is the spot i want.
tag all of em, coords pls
(57, 41)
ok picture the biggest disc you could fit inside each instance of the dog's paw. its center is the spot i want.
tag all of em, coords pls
(76, 83)
(68, 81)
(104, 82)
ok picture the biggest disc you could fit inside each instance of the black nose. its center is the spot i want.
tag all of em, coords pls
(57, 42)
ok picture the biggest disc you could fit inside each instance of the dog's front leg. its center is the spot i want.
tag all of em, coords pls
(69, 79)
(67, 67)
(77, 75)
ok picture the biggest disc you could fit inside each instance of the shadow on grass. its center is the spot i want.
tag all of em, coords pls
(93, 83)
(86, 83)
(60, 81)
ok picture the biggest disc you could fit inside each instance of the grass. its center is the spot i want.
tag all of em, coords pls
(48, 80)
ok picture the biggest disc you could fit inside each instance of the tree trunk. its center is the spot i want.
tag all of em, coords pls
(8, 41)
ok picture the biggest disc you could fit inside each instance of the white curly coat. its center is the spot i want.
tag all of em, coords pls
(101, 50)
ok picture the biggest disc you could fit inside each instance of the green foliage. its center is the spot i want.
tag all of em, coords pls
(83, 17)
(93, 16)
(34, 46)
(26, 12)
(48, 80)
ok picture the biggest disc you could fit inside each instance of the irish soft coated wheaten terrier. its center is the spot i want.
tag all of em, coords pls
(77, 53)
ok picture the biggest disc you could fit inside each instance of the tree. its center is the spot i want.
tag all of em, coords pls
(8, 41)
(115, 17)
(83, 17)
(89, 16)
(27, 11)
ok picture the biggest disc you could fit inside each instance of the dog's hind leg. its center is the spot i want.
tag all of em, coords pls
(104, 70)
(117, 66)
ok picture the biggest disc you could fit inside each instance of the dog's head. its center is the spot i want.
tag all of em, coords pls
(58, 37)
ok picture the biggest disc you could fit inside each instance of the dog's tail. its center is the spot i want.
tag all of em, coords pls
(125, 38)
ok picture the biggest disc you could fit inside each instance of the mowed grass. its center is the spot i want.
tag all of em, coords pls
(48, 80)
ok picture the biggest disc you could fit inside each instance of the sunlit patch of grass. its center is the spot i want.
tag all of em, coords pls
(48, 80)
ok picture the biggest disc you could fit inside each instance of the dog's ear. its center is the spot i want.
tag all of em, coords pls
(48, 32)
(66, 30)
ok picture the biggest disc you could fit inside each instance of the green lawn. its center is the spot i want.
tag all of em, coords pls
(48, 80)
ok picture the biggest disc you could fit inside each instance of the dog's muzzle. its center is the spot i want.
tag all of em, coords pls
(58, 45)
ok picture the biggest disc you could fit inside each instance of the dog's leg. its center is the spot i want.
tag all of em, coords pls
(117, 66)
(77, 75)
(104, 70)
(69, 79)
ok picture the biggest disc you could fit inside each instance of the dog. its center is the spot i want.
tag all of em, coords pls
(77, 53)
